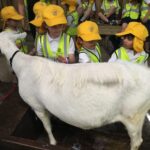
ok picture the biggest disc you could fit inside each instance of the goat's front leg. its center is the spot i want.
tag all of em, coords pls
(45, 118)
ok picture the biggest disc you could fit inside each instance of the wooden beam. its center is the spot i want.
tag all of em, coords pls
(109, 29)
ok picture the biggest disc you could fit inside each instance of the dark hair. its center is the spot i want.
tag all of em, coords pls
(130, 37)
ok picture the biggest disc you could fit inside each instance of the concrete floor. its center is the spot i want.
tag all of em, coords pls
(19, 127)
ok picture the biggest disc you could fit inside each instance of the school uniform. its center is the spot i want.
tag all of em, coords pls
(129, 55)
(53, 47)
(90, 55)
(144, 9)
(131, 12)
(106, 5)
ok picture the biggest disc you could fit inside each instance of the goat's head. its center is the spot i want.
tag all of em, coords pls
(8, 38)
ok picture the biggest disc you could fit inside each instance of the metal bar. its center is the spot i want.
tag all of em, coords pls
(17, 143)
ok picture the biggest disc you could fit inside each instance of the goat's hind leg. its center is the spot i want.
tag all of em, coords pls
(134, 128)
(45, 118)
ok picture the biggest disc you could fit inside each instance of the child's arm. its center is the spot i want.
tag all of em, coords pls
(86, 14)
(103, 17)
(111, 11)
(67, 60)
(33, 52)
(21, 9)
(147, 15)
(70, 57)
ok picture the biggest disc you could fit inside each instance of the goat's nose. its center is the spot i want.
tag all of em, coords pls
(1, 54)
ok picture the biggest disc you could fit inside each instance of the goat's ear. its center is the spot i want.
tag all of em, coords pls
(19, 36)
(13, 35)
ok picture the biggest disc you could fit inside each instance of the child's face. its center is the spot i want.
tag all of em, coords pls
(133, 1)
(89, 44)
(55, 31)
(128, 41)
(13, 23)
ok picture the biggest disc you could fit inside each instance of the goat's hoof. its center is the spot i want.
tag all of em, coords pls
(53, 142)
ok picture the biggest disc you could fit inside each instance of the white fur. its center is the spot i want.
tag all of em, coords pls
(83, 95)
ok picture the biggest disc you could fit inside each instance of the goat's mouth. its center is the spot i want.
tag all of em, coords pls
(1, 54)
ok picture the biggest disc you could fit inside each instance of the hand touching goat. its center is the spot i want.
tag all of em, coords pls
(84, 95)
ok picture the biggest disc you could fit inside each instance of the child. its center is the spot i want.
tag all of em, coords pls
(145, 13)
(86, 7)
(131, 12)
(145, 18)
(55, 44)
(12, 22)
(87, 42)
(67, 3)
(38, 21)
(73, 14)
(109, 11)
(132, 48)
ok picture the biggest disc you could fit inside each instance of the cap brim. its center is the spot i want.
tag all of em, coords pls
(56, 21)
(37, 22)
(91, 37)
(17, 17)
(123, 33)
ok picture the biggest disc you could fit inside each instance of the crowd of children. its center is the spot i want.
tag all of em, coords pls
(67, 31)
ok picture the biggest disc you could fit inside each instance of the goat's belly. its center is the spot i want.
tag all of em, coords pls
(85, 111)
(86, 124)
(86, 120)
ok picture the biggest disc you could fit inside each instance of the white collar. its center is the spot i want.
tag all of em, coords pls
(137, 54)
(51, 39)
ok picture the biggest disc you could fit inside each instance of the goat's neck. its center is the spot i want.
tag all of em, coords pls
(17, 62)
(10, 54)
(11, 59)
(9, 48)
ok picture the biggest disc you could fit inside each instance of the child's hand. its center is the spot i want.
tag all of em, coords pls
(18, 45)
(62, 59)
(33, 52)
(144, 20)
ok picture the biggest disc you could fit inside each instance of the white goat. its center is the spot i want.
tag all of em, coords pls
(84, 95)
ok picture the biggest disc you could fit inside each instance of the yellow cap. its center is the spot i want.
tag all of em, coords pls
(9, 12)
(88, 31)
(39, 6)
(38, 21)
(137, 29)
(38, 9)
(138, 45)
(54, 15)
